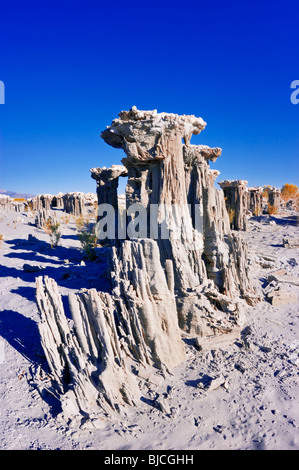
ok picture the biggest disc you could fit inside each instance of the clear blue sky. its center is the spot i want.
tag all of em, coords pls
(70, 67)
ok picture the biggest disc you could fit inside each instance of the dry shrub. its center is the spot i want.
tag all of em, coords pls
(86, 237)
(265, 192)
(66, 218)
(256, 212)
(95, 210)
(82, 222)
(88, 242)
(271, 209)
(52, 229)
(231, 215)
(289, 191)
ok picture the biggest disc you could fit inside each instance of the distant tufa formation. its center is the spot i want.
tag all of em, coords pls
(236, 200)
(193, 283)
(72, 203)
(242, 202)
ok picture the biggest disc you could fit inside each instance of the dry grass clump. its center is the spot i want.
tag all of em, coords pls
(265, 192)
(95, 210)
(66, 218)
(271, 209)
(82, 223)
(256, 212)
(1, 239)
(231, 215)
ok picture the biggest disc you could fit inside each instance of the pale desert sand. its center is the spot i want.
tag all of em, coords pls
(255, 408)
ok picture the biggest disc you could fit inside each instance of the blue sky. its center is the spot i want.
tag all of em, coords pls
(69, 68)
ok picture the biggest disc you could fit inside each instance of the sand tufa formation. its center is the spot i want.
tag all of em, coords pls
(193, 283)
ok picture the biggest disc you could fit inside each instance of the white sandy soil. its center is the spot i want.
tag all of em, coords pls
(256, 408)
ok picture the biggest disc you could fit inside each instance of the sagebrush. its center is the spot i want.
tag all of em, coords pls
(87, 237)
(52, 229)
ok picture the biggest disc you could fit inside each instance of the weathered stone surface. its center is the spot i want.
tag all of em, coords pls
(146, 304)
(282, 297)
(194, 280)
(41, 202)
(107, 184)
(235, 194)
(280, 278)
(255, 200)
(290, 242)
(85, 359)
(76, 203)
(29, 268)
(6, 203)
(10, 204)
(215, 382)
(274, 196)
(73, 203)
(165, 172)
(264, 262)
(57, 201)
(137, 322)
(43, 216)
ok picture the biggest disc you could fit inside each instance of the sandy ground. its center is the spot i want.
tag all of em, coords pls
(256, 407)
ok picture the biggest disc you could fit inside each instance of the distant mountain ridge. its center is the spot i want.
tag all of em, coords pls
(15, 194)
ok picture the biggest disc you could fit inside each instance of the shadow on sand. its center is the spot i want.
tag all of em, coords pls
(23, 335)
(287, 220)
(63, 264)
(22, 332)
(38, 247)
